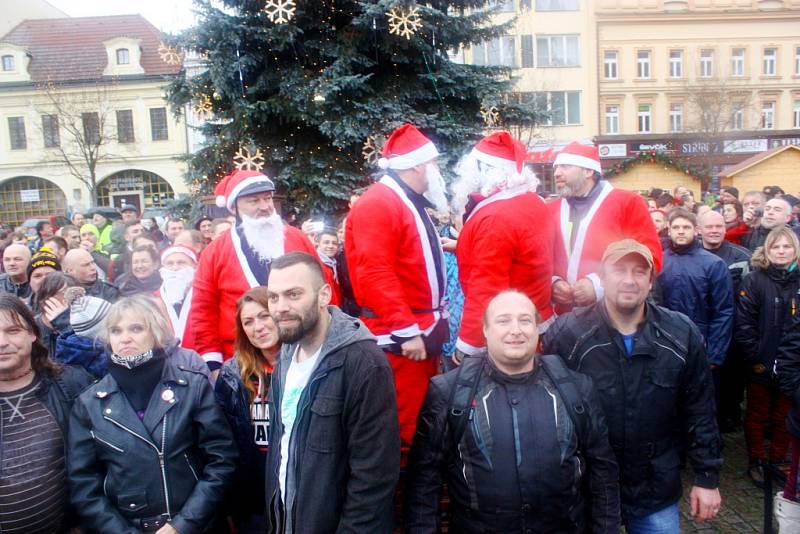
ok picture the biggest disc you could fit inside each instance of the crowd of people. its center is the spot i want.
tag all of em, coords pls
(553, 363)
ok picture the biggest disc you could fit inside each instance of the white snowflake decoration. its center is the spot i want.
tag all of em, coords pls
(280, 11)
(491, 117)
(203, 107)
(245, 161)
(404, 22)
(169, 54)
(371, 151)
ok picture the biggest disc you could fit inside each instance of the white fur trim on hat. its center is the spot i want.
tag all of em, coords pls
(383, 163)
(231, 200)
(220, 201)
(495, 161)
(579, 161)
(416, 157)
(178, 249)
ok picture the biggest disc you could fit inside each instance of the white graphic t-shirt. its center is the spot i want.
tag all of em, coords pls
(296, 380)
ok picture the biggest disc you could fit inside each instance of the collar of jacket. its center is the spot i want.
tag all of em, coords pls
(690, 248)
(649, 333)
(782, 276)
(410, 193)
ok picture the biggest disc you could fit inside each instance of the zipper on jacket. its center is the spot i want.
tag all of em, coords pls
(105, 442)
(159, 452)
(190, 467)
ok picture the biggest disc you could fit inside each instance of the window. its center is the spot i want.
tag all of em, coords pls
(123, 57)
(564, 107)
(557, 51)
(770, 57)
(676, 118)
(16, 133)
(158, 124)
(643, 64)
(706, 63)
(9, 64)
(526, 44)
(644, 118)
(610, 64)
(50, 131)
(737, 121)
(737, 62)
(557, 5)
(797, 61)
(612, 119)
(125, 126)
(91, 128)
(796, 121)
(675, 63)
(503, 6)
(768, 115)
(497, 52)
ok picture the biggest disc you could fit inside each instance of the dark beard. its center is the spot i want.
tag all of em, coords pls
(308, 322)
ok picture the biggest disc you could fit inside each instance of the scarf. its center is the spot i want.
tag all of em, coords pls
(131, 362)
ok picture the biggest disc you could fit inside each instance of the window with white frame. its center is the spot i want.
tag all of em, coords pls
(737, 120)
(557, 5)
(123, 56)
(499, 52)
(737, 62)
(612, 119)
(675, 63)
(563, 107)
(796, 116)
(503, 6)
(770, 60)
(676, 118)
(768, 115)
(610, 64)
(706, 63)
(16, 133)
(643, 64)
(9, 64)
(797, 61)
(645, 118)
(526, 46)
(557, 51)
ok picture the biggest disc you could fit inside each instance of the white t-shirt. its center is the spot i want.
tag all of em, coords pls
(296, 380)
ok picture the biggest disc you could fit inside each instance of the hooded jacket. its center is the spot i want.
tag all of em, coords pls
(344, 451)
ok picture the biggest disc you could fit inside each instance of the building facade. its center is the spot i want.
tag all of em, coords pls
(77, 93)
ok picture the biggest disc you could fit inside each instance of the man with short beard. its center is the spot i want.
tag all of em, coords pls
(237, 261)
(507, 239)
(777, 213)
(589, 216)
(397, 266)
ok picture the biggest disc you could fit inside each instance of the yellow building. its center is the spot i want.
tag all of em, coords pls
(66, 83)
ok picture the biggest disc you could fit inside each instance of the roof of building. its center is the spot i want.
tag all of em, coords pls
(755, 159)
(71, 49)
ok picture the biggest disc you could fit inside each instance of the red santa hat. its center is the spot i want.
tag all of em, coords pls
(585, 156)
(406, 148)
(178, 249)
(500, 149)
(239, 184)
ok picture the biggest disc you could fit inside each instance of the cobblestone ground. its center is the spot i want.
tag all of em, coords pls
(741, 500)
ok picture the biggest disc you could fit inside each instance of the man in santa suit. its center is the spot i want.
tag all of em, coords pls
(238, 260)
(507, 239)
(590, 215)
(175, 294)
(396, 266)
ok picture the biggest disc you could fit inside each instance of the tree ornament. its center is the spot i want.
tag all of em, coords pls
(404, 22)
(169, 54)
(280, 11)
(203, 107)
(245, 160)
(371, 150)
(491, 117)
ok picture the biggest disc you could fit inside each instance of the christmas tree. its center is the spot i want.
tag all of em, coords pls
(317, 85)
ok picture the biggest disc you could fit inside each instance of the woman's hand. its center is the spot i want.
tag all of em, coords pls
(53, 307)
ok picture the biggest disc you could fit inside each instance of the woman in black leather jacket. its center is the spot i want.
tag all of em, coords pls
(150, 448)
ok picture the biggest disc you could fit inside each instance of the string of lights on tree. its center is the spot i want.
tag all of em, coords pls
(660, 158)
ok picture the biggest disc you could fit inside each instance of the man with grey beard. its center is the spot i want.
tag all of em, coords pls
(237, 261)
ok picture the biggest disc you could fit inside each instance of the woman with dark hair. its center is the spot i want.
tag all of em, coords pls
(151, 449)
(143, 276)
(735, 228)
(52, 309)
(242, 389)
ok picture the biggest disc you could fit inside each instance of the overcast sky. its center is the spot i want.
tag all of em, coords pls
(166, 15)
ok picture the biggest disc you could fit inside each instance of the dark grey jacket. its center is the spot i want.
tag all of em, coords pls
(22, 290)
(344, 452)
(174, 465)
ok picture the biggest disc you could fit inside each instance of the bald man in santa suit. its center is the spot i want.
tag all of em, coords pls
(590, 215)
(237, 261)
(507, 238)
(396, 266)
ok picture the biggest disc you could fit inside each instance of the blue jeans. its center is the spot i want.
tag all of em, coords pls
(665, 521)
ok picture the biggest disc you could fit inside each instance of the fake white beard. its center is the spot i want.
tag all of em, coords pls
(436, 192)
(475, 176)
(264, 235)
(176, 284)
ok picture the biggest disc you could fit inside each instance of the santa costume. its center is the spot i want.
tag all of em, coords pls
(610, 214)
(176, 307)
(507, 239)
(228, 267)
(396, 267)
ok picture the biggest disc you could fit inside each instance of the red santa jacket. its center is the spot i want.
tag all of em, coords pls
(391, 266)
(615, 214)
(506, 243)
(182, 324)
(223, 275)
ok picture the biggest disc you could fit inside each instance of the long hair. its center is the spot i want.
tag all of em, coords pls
(760, 257)
(16, 310)
(248, 355)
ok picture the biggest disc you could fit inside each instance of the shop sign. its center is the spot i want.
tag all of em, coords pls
(699, 147)
(614, 150)
(665, 146)
(784, 142)
(739, 146)
(29, 195)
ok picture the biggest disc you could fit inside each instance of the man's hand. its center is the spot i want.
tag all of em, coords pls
(167, 529)
(705, 503)
(749, 217)
(448, 245)
(87, 245)
(583, 290)
(53, 307)
(562, 292)
(414, 349)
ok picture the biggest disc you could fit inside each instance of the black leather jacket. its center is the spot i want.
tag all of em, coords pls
(174, 466)
(22, 290)
(103, 290)
(658, 402)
